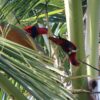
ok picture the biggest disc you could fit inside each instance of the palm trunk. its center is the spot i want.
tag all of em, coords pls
(93, 13)
(73, 10)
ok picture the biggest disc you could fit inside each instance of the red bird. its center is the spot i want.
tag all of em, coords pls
(34, 31)
(68, 47)
(16, 35)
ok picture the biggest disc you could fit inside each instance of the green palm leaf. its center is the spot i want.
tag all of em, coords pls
(32, 70)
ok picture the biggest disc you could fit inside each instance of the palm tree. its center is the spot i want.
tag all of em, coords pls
(41, 72)
(25, 72)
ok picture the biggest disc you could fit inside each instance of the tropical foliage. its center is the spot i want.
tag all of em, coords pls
(30, 73)
(42, 73)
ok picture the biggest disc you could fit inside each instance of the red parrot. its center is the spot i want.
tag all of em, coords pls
(18, 36)
(34, 31)
(68, 47)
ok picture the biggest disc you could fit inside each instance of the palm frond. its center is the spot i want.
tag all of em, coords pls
(34, 71)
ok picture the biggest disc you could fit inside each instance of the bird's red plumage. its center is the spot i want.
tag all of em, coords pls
(34, 31)
(68, 47)
(73, 59)
(42, 31)
(28, 29)
(56, 40)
